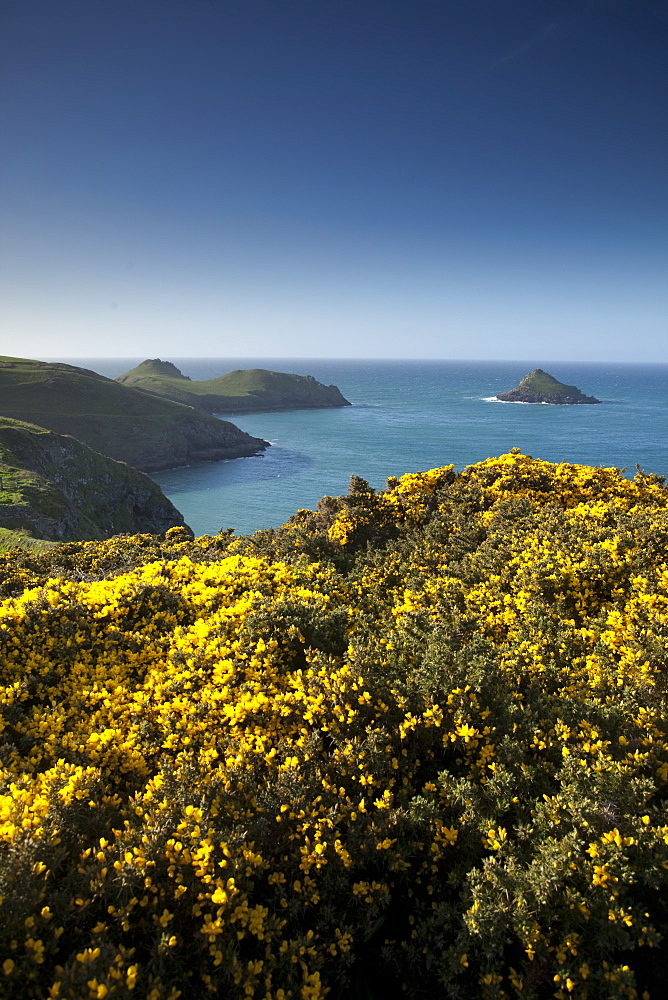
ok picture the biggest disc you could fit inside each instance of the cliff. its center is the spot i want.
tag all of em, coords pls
(250, 390)
(120, 421)
(539, 387)
(56, 488)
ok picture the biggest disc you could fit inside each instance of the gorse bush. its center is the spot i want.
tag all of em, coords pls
(413, 743)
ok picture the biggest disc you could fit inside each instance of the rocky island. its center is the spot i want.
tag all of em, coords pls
(252, 390)
(540, 387)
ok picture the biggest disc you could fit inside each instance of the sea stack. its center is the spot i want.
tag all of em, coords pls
(539, 387)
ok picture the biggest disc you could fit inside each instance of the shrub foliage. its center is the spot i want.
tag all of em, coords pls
(413, 743)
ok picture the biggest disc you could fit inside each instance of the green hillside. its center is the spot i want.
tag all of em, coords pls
(54, 487)
(10, 540)
(122, 422)
(240, 391)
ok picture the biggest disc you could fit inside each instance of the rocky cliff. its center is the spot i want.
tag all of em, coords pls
(56, 488)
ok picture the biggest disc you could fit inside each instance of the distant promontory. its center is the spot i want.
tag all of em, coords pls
(540, 387)
(72, 444)
(251, 390)
(119, 421)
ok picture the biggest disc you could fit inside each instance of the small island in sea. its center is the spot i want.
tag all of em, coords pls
(251, 390)
(540, 387)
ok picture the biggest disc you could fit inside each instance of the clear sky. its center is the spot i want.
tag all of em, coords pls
(335, 178)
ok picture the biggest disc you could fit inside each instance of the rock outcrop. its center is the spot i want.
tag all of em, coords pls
(57, 488)
(251, 390)
(540, 387)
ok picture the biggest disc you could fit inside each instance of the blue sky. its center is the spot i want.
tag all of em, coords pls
(335, 178)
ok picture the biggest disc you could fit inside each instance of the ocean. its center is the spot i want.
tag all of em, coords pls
(408, 416)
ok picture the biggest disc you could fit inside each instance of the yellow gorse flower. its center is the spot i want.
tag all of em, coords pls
(422, 728)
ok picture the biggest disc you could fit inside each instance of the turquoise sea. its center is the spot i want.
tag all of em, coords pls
(409, 415)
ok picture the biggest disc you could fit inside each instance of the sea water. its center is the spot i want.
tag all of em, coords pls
(408, 416)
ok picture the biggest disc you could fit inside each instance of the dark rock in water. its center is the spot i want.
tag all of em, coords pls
(539, 387)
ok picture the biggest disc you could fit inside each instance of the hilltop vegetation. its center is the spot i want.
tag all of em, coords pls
(57, 488)
(413, 743)
(240, 391)
(124, 423)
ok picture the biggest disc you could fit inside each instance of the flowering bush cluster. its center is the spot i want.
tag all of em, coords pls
(413, 743)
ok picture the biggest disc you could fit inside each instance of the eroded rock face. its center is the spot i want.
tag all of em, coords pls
(540, 387)
(57, 488)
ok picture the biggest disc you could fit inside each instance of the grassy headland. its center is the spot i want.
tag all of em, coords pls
(119, 421)
(241, 391)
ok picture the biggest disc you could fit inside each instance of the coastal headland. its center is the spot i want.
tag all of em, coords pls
(251, 390)
(74, 447)
(120, 421)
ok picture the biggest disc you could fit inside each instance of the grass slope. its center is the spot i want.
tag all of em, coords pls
(240, 391)
(54, 487)
(10, 540)
(117, 420)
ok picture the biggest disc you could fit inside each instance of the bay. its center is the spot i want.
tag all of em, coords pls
(408, 416)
